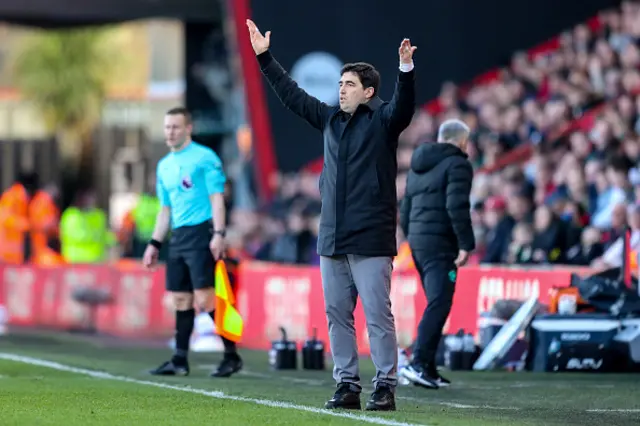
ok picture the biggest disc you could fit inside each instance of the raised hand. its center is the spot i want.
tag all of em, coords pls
(259, 42)
(405, 52)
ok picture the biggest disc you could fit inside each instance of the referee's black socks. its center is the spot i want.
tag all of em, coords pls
(229, 346)
(184, 328)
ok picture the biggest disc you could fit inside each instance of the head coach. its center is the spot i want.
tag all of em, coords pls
(435, 216)
(356, 241)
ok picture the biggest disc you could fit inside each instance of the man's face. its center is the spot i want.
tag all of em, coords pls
(176, 130)
(352, 93)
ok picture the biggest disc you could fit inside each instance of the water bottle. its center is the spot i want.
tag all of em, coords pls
(272, 358)
(448, 347)
(468, 351)
(456, 353)
(4, 320)
(554, 353)
(468, 343)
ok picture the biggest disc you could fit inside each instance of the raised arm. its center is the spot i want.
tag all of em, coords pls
(316, 113)
(399, 111)
(405, 214)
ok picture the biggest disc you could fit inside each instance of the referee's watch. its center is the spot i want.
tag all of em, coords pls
(222, 232)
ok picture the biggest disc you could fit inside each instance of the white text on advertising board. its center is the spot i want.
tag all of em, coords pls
(19, 292)
(286, 304)
(492, 289)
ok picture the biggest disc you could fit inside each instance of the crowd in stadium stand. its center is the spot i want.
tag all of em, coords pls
(575, 107)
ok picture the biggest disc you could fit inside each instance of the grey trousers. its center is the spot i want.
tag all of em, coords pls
(344, 277)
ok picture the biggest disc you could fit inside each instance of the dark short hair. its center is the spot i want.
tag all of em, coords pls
(367, 73)
(181, 111)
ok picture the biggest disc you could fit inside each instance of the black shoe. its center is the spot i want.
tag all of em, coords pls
(345, 397)
(418, 375)
(231, 364)
(172, 368)
(441, 381)
(382, 399)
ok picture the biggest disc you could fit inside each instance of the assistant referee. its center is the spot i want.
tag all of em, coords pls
(190, 186)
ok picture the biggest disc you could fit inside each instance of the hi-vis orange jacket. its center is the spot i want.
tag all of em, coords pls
(14, 223)
(44, 218)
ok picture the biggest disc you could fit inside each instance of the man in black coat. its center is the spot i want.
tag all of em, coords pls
(356, 241)
(435, 215)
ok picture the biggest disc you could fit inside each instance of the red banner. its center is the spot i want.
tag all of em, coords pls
(271, 296)
(41, 296)
(291, 297)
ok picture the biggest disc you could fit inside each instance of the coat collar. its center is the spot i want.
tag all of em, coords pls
(372, 105)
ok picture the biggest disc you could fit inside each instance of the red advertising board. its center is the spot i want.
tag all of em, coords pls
(271, 296)
(291, 297)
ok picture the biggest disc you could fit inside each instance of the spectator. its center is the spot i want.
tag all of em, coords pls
(577, 107)
(589, 249)
(550, 243)
(521, 246)
(613, 191)
(295, 244)
(499, 226)
(612, 257)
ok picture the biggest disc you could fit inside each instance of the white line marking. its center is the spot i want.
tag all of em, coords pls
(212, 394)
(614, 410)
(312, 382)
(456, 404)
(520, 385)
(244, 372)
(450, 404)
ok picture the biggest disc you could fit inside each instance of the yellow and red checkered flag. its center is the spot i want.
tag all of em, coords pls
(229, 323)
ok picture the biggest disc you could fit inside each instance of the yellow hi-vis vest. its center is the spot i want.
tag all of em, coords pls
(84, 235)
(144, 216)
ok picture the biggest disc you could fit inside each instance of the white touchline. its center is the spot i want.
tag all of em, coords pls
(212, 394)
(456, 404)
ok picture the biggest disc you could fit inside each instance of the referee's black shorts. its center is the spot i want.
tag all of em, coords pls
(190, 265)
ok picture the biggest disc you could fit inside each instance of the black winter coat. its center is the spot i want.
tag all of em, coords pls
(435, 213)
(357, 184)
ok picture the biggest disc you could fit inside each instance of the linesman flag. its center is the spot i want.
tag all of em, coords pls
(228, 321)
